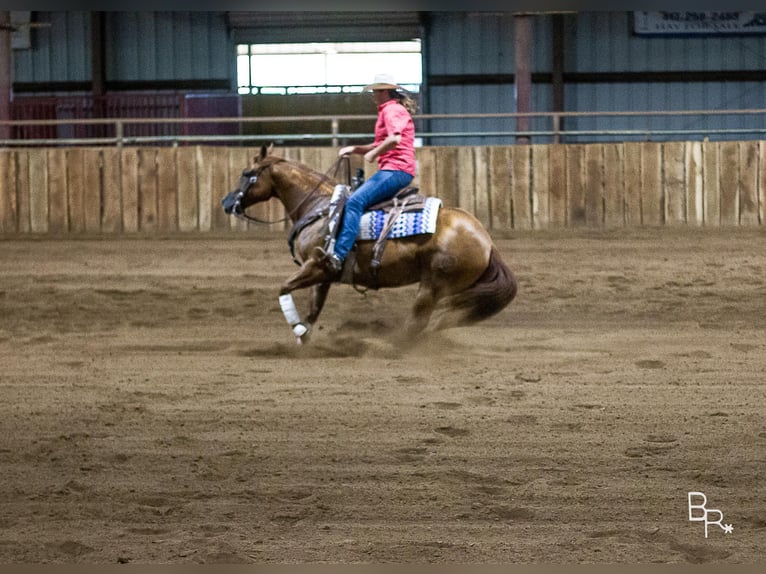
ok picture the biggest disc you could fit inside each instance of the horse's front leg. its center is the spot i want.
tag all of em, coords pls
(310, 273)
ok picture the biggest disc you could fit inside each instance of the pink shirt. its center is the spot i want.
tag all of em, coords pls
(393, 119)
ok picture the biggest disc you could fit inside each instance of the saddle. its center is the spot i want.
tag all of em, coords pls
(415, 200)
(406, 199)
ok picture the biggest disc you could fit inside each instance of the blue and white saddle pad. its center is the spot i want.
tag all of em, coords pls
(408, 223)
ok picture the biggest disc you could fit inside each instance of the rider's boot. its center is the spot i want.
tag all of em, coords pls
(334, 263)
(330, 260)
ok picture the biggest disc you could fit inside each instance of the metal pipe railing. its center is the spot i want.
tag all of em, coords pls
(334, 133)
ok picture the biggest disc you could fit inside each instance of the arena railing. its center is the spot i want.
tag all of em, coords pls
(120, 128)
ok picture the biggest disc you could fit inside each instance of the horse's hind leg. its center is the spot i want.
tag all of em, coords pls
(425, 302)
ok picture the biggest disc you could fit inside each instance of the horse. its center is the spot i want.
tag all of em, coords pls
(458, 267)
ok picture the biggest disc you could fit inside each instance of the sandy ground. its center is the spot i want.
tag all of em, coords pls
(154, 407)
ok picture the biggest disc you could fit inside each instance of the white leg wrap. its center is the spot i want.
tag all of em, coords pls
(300, 329)
(288, 309)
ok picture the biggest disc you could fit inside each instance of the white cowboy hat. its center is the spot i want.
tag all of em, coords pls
(382, 82)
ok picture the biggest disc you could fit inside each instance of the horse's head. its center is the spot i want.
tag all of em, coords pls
(255, 185)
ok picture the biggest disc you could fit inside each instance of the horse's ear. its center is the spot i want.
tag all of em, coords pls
(264, 153)
(270, 149)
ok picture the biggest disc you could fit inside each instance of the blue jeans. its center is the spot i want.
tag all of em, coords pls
(381, 186)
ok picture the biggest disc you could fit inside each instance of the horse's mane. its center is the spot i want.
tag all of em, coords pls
(304, 169)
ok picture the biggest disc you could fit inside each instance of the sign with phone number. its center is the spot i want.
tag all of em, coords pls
(685, 23)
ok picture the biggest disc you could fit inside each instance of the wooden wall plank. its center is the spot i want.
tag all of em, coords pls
(500, 187)
(729, 158)
(8, 202)
(58, 210)
(712, 182)
(633, 183)
(75, 183)
(748, 183)
(129, 176)
(167, 189)
(466, 179)
(310, 158)
(762, 182)
(481, 185)
(614, 185)
(92, 178)
(147, 189)
(594, 185)
(557, 203)
(575, 185)
(330, 165)
(111, 193)
(291, 153)
(652, 210)
(446, 170)
(23, 191)
(521, 196)
(220, 186)
(426, 176)
(674, 166)
(540, 186)
(695, 198)
(38, 190)
(204, 187)
(188, 201)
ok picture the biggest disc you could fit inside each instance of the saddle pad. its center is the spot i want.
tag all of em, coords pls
(408, 223)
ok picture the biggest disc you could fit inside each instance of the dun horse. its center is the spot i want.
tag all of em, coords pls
(457, 266)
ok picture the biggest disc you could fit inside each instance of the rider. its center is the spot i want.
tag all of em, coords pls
(394, 148)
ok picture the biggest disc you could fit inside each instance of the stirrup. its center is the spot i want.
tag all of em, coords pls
(331, 261)
(334, 263)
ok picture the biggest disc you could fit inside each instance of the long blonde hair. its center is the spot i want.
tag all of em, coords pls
(406, 100)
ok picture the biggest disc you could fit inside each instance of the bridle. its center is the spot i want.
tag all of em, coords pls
(250, 178)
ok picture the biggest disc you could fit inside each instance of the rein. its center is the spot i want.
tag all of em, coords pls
(250, 177)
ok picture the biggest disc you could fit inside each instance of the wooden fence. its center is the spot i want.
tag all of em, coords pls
(178, 189)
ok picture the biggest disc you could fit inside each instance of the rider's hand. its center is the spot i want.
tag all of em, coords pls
(348, 150)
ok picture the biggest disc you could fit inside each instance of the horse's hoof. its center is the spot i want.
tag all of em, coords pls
(301, 333)
(303, 340)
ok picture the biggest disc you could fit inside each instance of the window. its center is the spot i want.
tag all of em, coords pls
(322, 68)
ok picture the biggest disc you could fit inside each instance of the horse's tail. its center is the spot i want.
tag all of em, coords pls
(491, 293)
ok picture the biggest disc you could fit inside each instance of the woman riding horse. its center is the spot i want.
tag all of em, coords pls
(459, 269)
(394, 148)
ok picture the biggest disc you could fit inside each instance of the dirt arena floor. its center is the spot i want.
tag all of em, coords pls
(155, 409)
